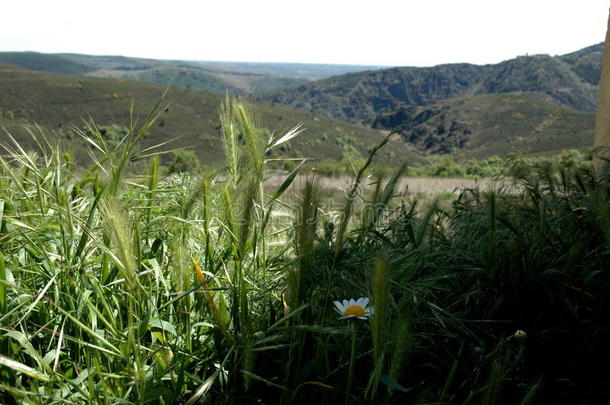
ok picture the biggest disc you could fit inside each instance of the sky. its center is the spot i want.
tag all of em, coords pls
(372, 32)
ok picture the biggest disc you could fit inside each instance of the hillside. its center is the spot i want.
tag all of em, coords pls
(56, 102)
(218, 77)
(308, 71)
(198, 78)
(568, 80)
(490, 124)
(529, 104)
(586, 62)
(44, 63)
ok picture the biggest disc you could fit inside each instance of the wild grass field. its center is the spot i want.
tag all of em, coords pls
(198, 288)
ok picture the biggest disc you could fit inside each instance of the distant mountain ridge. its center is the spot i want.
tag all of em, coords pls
(218, 77)
(569, 80)
(44, 63)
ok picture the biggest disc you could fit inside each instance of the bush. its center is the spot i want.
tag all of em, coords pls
(183, 161)
(447, 166)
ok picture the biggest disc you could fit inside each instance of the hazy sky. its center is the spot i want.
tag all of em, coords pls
(374, 32)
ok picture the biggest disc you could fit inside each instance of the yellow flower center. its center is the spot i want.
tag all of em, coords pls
(354, 310)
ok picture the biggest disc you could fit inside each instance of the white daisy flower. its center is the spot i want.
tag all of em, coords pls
(354, 308)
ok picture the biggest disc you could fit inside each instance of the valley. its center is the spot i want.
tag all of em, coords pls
(527, 105)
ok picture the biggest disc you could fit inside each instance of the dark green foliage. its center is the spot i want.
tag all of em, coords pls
(528, 261)
(466, 283)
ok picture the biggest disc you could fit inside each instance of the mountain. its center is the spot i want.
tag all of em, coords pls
(51, 103)
(198, 78)
(44, 63)
(534, 104)
(218, 77)
(586, 63)
(569, 80)
(308, 71)
(490, 124)
(208, 76)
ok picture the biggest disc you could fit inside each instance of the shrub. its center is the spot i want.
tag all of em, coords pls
(183, 161)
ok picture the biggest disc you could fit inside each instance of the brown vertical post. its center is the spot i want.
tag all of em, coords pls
(602, 117)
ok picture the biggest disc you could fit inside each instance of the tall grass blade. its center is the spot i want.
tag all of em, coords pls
(22, 368)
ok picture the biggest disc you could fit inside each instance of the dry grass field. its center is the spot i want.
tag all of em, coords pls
(412, 186)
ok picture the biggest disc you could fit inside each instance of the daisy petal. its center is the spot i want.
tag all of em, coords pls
(354, 308)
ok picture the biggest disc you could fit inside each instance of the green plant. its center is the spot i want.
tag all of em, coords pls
(117, 287)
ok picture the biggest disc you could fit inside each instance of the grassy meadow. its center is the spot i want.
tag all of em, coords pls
(138, 288)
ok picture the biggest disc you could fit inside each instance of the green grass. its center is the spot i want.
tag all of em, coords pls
(198, 288)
